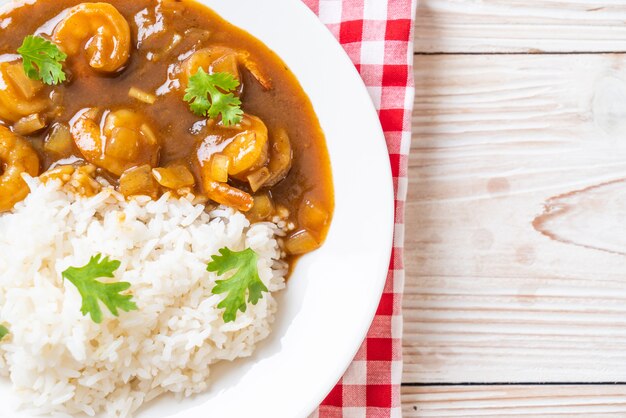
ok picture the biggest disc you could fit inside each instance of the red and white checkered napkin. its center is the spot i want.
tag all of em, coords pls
(378, 37)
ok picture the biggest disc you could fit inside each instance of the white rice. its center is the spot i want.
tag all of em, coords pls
(60, 361)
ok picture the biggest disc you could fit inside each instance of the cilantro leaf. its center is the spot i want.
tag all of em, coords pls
(42, 60)
(246, 278)
(84, 278)
(4, 331)
(212, 95)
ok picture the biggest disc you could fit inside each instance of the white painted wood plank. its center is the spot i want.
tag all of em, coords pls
(520, 26)
(493, 294)
(515, 401)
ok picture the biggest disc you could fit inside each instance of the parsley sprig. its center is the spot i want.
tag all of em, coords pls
(42, 60)
(4, 331)
(91, 290)
(212, 95)
(245, 279)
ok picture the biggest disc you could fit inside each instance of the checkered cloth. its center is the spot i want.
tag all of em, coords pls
(378, 37)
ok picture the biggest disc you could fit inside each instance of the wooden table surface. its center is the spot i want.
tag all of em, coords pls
(515, 300)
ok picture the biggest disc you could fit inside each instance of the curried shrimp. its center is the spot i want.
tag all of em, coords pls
(243, 150)
(223, 59)
(100, 30)
(19, 95)
(248, 149)
(280, 159)
(17, 157)
(116, 141)
(228, 195)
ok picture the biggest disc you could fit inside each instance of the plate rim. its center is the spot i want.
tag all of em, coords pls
(388, 246)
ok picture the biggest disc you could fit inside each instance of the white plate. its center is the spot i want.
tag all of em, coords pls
(333, 294)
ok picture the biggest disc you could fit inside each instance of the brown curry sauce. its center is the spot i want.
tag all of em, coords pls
(284, 106)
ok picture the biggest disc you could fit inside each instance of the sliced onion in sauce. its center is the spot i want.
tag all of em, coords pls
(29, 124)
(263, 208)
(220, 164)
(148, 133)
(28, 87)
(312, 216)
(142, 96)
(258, 178)
(174, 176)
(301, 242)
(138, 181)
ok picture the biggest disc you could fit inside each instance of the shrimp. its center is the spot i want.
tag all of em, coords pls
(222, 59)
(19, 95)
(281, 157)
(248, 149)
(226, 194)
(116, 141)
(17, 157)
(100, 30)
(245, 147)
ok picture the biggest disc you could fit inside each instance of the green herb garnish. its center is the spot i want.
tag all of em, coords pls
(84, 278)
(42, 60)
(4, 331)
(212, 95)
(246, 278)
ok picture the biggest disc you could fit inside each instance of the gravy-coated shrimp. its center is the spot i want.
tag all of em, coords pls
(222, 59)
(280, 159)
(19, 95)
(226, 194)
(116, 141)
(248, 149)
(245, 148)
(16, 157)
(100, 30)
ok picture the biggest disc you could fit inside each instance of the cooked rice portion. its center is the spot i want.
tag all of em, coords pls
(60, 361)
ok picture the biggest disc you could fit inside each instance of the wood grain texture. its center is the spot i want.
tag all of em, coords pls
(520, 26)
(515, 401)
(515, 220)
